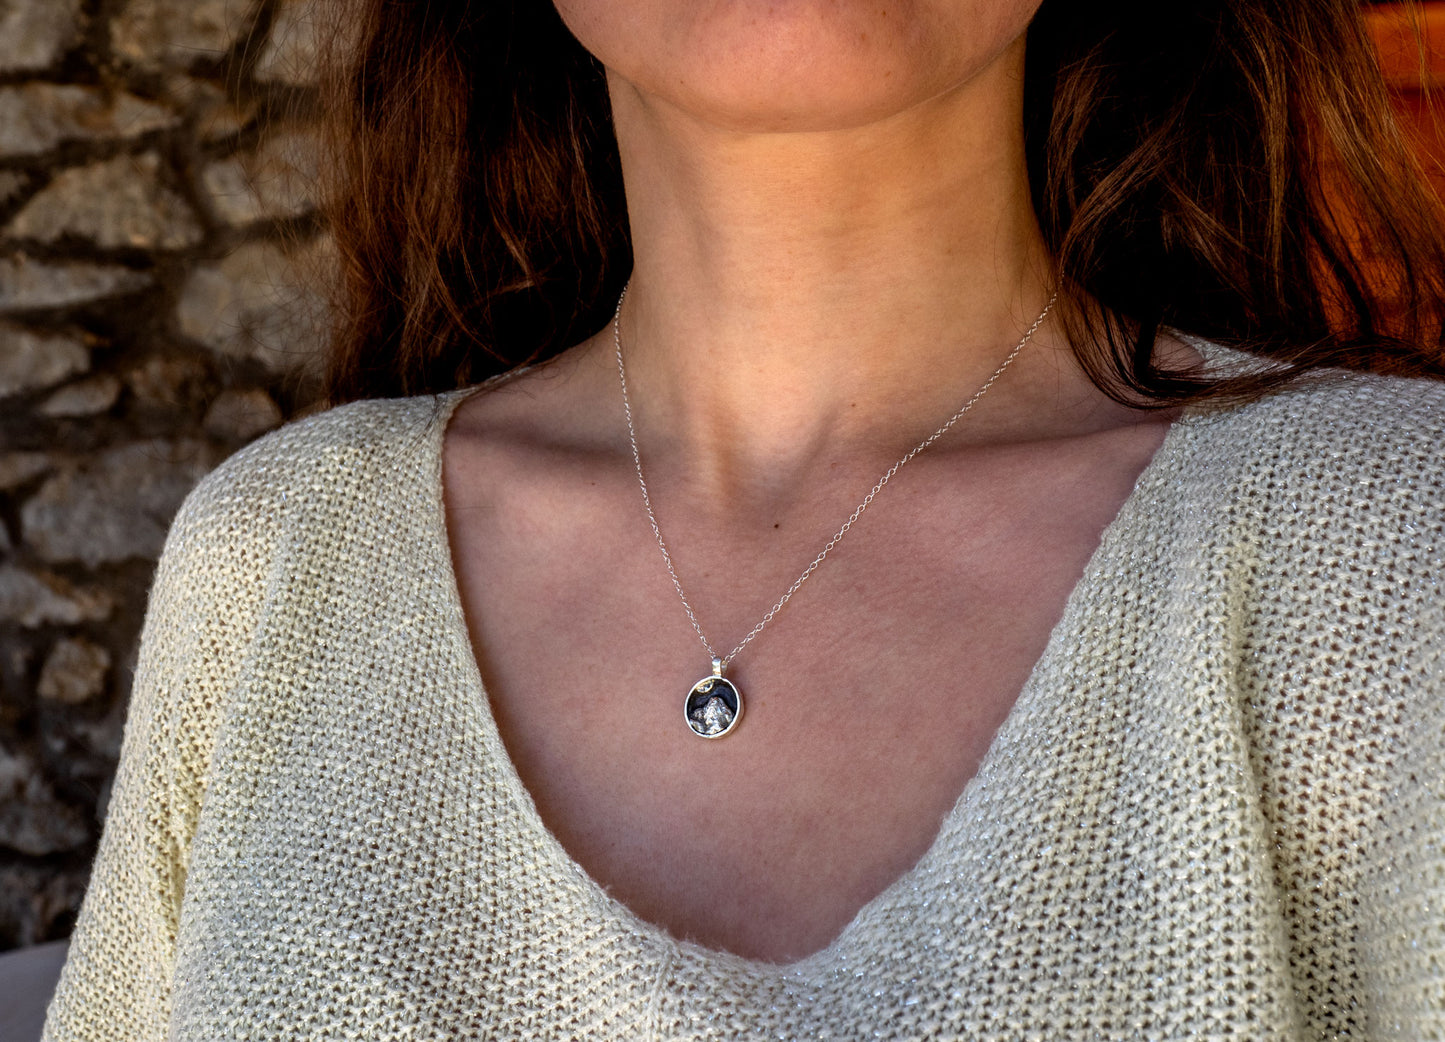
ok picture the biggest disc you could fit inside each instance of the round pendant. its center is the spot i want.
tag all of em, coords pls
(714, 706)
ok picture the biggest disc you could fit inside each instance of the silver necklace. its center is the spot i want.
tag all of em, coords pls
(714, 705)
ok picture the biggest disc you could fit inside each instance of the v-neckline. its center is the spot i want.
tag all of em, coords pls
(657, 937)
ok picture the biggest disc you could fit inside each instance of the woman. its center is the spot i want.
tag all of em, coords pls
(1116, 715)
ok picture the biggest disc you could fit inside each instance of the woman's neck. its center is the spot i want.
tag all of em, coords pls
(798, 296)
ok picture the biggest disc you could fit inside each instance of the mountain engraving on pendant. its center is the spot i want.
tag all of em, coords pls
(713, 707)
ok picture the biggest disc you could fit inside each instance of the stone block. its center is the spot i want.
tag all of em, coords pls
(31, 361)
(32, 820)
(115, 203)
(11, 182)
(293, 51)
(26, 283)
(35, 33)
(101, 739)
(31, 599)
(166, 381)
(260, 303)
(158, 34)
(227, 187)
(116, 506)
(35, 117)
(214, 113)
(276, 180)
(83, 398)
(241, 415)
(16, 468)
(74, 671)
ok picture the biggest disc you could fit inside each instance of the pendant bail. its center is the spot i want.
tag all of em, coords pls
(717, 666)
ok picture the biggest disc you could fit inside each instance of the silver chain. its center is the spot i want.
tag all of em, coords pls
(852, 518)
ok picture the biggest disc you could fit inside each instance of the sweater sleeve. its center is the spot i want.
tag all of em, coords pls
(1400, 611)
(1403, 942)
(117, 980)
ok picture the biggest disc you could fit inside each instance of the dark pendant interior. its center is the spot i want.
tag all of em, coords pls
(713, 707)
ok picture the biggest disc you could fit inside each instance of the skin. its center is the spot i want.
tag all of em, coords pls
(834, 247)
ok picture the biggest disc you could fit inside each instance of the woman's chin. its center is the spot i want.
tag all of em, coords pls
(786, 104)
(801, 66)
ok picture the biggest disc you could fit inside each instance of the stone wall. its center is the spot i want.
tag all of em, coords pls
(158, 256)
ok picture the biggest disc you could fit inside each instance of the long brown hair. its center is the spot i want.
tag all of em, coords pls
(1228, 168)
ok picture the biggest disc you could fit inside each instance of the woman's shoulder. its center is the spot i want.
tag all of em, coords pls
(1329, 492)
(353, 451)
(348, 470)
(373, 432)
(1330, 431)
(1335, 404)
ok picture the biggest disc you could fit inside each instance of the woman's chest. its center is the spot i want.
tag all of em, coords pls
(869, 700)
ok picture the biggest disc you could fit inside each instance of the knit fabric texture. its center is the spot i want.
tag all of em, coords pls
(1215, 812)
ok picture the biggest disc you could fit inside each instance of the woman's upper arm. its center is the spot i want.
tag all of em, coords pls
(209, 586)
(1403, 941)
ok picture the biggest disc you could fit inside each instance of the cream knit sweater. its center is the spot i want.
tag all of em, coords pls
(1216, 811)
